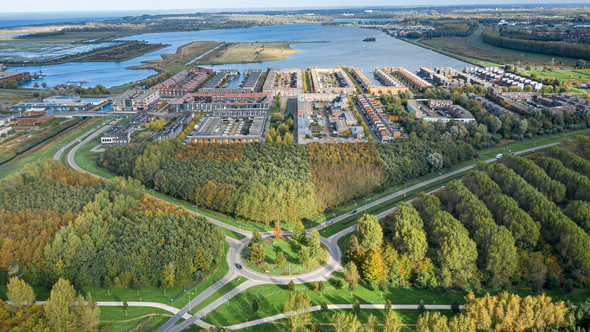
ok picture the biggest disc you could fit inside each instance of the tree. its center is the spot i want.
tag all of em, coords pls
(408, 231)
(256, 236)
(421, 307)
(88, 313)
(580, 64)
(315, 245)
(356, 307)
(254, 306)
(277, 231)
(36, 85)
(321, 287)
(299, 231)
(568, 286)
(373, 267)
(369, 232)
(346, 323)
(137, 285)
(495, 124)
(351, 273)
(257, 253)
(291, 286)
(304, 256)
(106, 284)
(455, 307)
(435, 160)
(387, 306)
(20, 294)
(278, 117)
(297, 312)
(351, 287)
(125, 306)
(372, 324)
(432, 321)
(58, 309)
(163, 286)
(44, 85)
(383, 286)
(324, 308)
(392, 322)
(280, 258)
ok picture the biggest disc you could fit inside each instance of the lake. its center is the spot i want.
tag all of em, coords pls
(345, 48)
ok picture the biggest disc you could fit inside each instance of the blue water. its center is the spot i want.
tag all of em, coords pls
(345, 48)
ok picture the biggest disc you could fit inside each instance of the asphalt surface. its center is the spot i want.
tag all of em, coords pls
(333, 262)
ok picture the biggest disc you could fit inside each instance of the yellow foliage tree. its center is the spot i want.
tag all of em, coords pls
(373, 267)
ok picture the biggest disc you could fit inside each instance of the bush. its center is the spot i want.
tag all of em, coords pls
(529, 136)
(547, 131)
(540, 133)
(340, 283)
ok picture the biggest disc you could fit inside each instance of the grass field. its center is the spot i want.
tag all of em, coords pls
(272, 297)
(246, 53)
(290, 249)
(220, 292)
(562, 74)
(147, 324)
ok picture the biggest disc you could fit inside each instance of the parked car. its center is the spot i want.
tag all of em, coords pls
(239, 266)
(330, 222)
(353, 212)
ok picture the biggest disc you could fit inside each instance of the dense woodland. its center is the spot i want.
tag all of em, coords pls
(557, 49)
(519, 222)
(262, 181)
(87, 230)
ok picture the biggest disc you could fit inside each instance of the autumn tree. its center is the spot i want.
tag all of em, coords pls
(277, 231)
(372, 324)
(19, 293)
(383, 286)
(299, 231)
(392, 322)
(352, 286)
(296, 310)
(432, 321)
(65, 312)
(257, 253)
(163, 286)
(315, 245)
(280, 258)
(373, 267)
(291, 286)
(351, 273)
(256, 236)
(304, 256)
(346, 322)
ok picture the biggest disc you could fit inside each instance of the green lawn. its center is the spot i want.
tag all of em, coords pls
(220, 292)
(562, 75)
(86, 159)
(290, 248)
(272, 297)
(115, 314)
(148, 324)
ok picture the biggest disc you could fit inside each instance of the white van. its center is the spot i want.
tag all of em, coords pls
(499, 156)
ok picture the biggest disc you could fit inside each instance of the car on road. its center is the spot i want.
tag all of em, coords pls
(330, 222)
(353, 212)
(499, 156)
(239, 266)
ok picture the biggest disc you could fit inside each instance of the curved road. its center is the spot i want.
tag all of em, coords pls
(255, 278)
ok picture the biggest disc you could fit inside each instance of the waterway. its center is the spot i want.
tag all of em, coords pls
(345, 48)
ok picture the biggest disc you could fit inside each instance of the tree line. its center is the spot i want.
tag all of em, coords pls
(548, 48)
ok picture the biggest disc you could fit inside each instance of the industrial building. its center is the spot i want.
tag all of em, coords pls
(136, 100)
(182, 83)
(283, 82)
(14, 75)
(117, 135)
(226, 104)
(34, 117)
(229, 130)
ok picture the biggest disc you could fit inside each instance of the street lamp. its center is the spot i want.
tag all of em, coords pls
(189, 302)
(365, 204)
(240, 222)
(405, 188)
(197, 209)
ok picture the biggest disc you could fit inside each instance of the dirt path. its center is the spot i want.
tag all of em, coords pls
(132, 319)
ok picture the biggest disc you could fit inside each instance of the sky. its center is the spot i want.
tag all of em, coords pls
(38, 6)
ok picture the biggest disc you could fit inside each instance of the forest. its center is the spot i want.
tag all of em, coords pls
(520, 222)
(88, 232)
(541, 47)
(261, 182)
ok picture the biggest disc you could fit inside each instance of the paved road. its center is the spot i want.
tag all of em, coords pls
(67, 146)
(333, 262)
